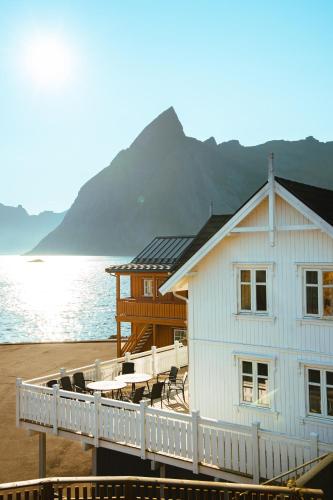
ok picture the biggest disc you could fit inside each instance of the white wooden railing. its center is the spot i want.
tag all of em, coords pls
(186, 440)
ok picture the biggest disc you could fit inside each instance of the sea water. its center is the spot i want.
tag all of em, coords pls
(56, 298)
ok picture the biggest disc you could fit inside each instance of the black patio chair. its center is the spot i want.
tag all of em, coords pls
(51, 383)
(155, 393)
(137, 396)
(79, 383)
(168, 377)
(66, 384)
(127, 367)
(178, 385)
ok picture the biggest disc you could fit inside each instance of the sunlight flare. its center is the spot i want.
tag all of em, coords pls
(48, 60)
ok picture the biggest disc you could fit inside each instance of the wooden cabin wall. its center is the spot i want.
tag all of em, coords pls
(164, 334)
(159, 279)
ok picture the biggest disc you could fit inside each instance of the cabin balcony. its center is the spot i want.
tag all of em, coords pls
(175, 434)
(132, 309)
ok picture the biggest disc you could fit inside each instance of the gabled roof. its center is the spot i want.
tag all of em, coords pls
(161, 254)
(317, 199)
(214, 224)
(316, 204)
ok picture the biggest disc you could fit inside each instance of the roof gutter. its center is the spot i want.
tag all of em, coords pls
(181, 297)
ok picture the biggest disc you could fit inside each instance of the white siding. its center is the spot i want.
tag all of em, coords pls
(216, 333)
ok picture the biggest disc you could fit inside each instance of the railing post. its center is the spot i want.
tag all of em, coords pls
(154, 360)
(143, 406)
(255, 452)
(127, 356)
(97, 403)
(97, 369)
(177, 354)
(314, 452)
(18, 399)
(62, 372)
(55, 390)
(195, 434)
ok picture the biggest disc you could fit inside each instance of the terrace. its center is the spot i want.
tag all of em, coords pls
(175, 434)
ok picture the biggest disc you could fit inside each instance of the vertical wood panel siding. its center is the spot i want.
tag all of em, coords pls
(216, 333)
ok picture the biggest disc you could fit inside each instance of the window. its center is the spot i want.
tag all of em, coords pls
(320, 392)
(252, 291)
(254, 383)
(180, 335)
(318, 293)
(148, 287)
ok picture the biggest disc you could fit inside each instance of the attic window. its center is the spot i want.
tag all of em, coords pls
(252, 290)
(318, 296)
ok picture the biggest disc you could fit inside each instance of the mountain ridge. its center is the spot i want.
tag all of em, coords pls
(165, 181)
(19, 231)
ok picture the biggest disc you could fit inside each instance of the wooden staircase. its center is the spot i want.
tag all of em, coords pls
(136, 343)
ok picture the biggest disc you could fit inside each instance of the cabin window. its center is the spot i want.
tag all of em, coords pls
(180, 335)
(148, 287)
(320, 392)
(318, 285)
(254, 383)
(252, 291)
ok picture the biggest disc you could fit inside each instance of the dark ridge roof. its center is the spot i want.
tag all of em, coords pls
(161, 254)
(319, 200)
(212, 226)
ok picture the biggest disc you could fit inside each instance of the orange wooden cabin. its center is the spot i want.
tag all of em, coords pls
(155, 319)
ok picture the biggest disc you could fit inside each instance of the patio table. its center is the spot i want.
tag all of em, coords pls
(107, 386)
(134, 378)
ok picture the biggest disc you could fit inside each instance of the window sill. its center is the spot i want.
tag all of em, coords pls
(315, 321)
(259, 409)
(312, 419)
(254, 317)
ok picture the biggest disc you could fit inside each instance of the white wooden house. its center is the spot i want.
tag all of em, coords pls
(260, 313)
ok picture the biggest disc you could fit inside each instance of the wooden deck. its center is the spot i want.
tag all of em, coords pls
(175, 434)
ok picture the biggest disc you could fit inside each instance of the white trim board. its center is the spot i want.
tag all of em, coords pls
(171, 284)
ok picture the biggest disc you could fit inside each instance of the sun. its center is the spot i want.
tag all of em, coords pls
(48, 60)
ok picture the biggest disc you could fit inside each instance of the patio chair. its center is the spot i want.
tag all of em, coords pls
(178, 385)
(51, 383)
(79, 383)
(127, 367)
(66, 384)
(155, 393)
(168, 377)
(137, 396)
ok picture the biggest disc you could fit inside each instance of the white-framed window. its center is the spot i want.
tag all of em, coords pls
(253, 289)
(148, 287)
(319, 390)
(180, 335)
(254, 382)
(318, 293)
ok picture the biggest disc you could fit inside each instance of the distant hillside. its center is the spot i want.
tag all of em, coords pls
(164, 182)
(19, 231)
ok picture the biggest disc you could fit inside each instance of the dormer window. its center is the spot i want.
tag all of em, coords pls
(318, 285)
(148, 287)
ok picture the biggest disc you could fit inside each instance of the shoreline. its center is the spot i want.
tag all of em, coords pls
(18, 449)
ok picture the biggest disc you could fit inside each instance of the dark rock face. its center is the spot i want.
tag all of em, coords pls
(163, 184)
(19, 231)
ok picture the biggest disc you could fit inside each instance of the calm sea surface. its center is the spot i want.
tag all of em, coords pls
(61, 298)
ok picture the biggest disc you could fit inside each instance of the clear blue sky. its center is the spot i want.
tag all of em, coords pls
(246, 70)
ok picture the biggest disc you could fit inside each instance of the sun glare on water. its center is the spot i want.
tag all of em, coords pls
(48, 60)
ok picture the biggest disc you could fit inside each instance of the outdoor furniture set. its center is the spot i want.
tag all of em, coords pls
(165, 383)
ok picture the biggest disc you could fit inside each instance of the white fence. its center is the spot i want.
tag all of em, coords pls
(194, 441)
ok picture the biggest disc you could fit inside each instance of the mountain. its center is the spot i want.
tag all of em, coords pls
(19, 231)
(163, 184)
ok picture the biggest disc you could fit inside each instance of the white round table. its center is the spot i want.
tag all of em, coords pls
(106, 385)
(134, 378)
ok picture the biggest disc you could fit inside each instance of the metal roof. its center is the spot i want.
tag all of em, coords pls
(161, 254)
